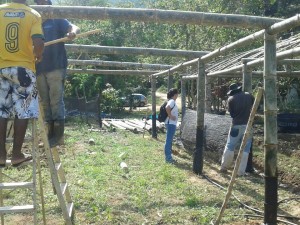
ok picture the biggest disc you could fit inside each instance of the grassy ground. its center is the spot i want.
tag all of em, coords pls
(149, 191)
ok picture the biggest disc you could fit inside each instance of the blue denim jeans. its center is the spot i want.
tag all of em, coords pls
(51, 90)
(235, 137)
(171, 128)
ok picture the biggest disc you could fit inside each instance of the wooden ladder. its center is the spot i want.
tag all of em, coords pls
(59, 182)
(57, 174)
(31, 185)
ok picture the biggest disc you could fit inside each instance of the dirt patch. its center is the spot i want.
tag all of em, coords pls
(287, 158)
(289, 146)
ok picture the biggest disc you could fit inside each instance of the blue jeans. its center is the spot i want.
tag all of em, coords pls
(235, 137)
(51, 90)
(171, 128)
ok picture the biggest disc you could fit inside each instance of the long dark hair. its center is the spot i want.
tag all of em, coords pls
(172, 92)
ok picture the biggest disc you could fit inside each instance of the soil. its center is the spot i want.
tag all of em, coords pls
(289, 145)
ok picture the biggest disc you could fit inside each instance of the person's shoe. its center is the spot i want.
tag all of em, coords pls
(173, 161)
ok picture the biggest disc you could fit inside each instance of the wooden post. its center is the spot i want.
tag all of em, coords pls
(170, 80)
(247, 87)
(247, 77)
(207, 94)
(153, 91)
(99, 98)
(193, 98)
(198, 154)
(270, 131)
(183, 97)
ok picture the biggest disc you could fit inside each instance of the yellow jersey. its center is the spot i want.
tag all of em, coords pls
(18, 24)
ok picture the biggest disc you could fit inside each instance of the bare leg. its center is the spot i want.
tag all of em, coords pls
(20, 126)
(3, 127)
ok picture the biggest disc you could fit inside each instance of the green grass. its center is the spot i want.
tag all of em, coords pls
(150, 192)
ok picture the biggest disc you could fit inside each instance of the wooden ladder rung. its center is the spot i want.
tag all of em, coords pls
(57, 166)
(63, 187)
(8, 163)
(16, 185)
(70, 207)
(26, 140)
(16, 209)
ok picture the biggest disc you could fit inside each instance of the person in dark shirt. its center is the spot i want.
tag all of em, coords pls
(51, 73)
(239, 106)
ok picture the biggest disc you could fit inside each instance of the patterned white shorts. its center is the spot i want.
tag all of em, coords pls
(18, 93)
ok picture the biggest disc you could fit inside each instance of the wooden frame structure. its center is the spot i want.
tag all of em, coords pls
(271, 27)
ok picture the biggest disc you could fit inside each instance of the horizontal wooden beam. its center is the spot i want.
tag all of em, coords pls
(274, 29)
(111, 72)
(284, 25)
(283, 61)
(155, 16)
(293, 21)
(118, 64)
(108, 50)
(177, 67)
(279, 56)
(255, 74)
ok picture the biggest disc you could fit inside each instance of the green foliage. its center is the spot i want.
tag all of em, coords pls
(110, 100)
(285, 103)
(165, 36)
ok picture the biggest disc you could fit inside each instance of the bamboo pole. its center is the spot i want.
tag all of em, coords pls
(118, 64)
(207, 94)
(198, 154)
(111, 50)
(284, 25)
(255, 74)
(155, 16)
(239, 157)
(282, 55)
(283, 61)
(183, 98)
(191, 77)
(153, 91)
(111, 72)
(247, 78)
(170, 81)
(274, 29)
(64, 39)
(241, 42)
(270, 130)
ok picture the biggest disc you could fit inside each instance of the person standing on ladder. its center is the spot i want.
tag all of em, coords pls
(21, 45)
(51, 73)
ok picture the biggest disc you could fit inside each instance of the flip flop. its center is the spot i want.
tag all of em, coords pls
(26, 159)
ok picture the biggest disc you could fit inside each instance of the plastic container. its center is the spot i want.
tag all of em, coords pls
(288, 122)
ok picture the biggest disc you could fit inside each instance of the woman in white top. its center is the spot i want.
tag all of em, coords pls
(171, 122)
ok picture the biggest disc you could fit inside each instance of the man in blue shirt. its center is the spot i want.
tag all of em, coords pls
(51, 73)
